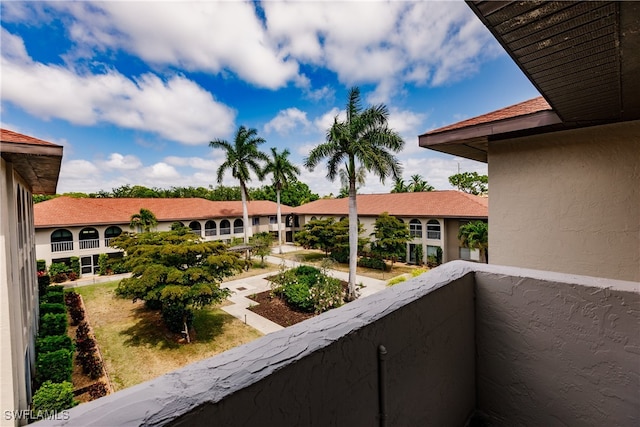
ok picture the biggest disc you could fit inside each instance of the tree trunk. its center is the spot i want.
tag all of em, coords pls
(245, 212)
(279, 219)
(353, 238)
(186, 329)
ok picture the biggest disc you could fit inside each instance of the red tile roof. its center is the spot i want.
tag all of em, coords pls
(68, 211)
(531, 106)
(18, 138)
(440, 204)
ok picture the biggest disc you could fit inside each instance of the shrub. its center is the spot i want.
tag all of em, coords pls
(43, 284)
(77, 314)
(298, 296)
(59, 278)
(75, 265)
(53, 324)
(54, 343)
(86, 345)
(341, 256)
(174, 316)
(98, 390)
(54, 308)
(102, 264)
(418, 271)
(53, 298)
(53, 397)
(41, 265)
(72, 299)
(82, 332)
(396, 280)
(91, 364)
(55, 366)
(55, 289)
(58, 267)
(326, 294)
(419, 255)
(375, 263)
(73, 276)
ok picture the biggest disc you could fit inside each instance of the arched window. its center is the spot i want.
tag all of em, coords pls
(225, 227)
(433, 229)
(415, 228)
(89, 238)
(110, 233)
(313, 218)
(210, 228)
(196, 227)
(61, 240)
(238, 226)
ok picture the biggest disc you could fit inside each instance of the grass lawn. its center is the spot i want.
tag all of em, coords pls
(136, 346)
(314, 257)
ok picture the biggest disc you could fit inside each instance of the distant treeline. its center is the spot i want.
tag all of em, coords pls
(295, 194)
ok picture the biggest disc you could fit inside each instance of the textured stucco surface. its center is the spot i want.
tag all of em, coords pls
(553, 351)
(568, 202)
(324, 371)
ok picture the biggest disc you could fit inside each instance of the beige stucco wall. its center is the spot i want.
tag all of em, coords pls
(568, 202)
(18, 294)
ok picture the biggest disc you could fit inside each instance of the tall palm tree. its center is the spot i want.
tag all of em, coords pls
(419, 184)
(145, 220)
(475, 235)
(399, 186)
(364, 140)
(243, 156)
(282, 171)
(361, 175)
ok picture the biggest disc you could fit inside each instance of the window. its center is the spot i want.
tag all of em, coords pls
(210, 228)
(89, 238)
(433, 229)
(111, 233)
(432, 250)
(225, 227)
(255, 221)
(313, 218)
(415, 228)
(238, 226)
(465, 253)
(273, 219)
(61, 240)
(196, 227)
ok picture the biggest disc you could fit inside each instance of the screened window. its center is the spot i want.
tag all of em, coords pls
(210, 228)
(196, 227)
(238, 226)
(225, 227)
(415, 228)
(61, 240)
(273, 219)
(255, 221)
(89, 238)
(433, 229)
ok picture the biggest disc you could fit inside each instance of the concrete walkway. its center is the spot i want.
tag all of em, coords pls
(251, 285)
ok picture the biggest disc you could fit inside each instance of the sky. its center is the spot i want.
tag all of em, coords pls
(135, 91)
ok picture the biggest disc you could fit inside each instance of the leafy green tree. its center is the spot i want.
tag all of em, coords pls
(317, 233)
(144, 221)
(296, 193)
(222, 193)
(261, 245)
(282, 171)
(475, 235)
(391, 237)
(175, 271)
(419, 184)
(399, 186)
(364, 140)
(470, 182)
(242, 157)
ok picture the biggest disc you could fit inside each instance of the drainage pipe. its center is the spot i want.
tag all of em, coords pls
(382, 382)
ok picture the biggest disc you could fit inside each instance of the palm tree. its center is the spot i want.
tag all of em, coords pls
(283, 171)
(243, 157)
(475, 235)
(399, 186)
(364, 140)
(145, 220)
(361, 174)
(419, 184)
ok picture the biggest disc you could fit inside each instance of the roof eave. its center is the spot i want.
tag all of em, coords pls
(38, 165)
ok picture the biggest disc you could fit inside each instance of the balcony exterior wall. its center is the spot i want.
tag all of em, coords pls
(557, 351)
(568, 202)
(325, 371)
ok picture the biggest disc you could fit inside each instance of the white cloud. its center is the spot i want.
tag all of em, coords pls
(176, 108)
(198, 36)
(119, 162)
(287, 120)
(192, 162)
(160, 171)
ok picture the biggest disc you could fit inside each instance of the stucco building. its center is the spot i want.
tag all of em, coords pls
(83, 227)
(28, 165)
(433, 217)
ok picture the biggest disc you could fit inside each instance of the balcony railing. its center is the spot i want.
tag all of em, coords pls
(210, 232)
(523, 347)
(107, 241)
(89, 244)
(238, 230)
(225, 230)
(61, 246)
(415, 233)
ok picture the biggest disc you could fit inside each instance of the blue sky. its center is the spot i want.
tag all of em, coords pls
(134, 91)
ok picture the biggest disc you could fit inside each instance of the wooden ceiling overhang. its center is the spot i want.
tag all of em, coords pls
(583, 57)
(38, 165)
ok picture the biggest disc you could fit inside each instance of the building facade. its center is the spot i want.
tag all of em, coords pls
(433, 217)
(27, 165)
(82, 227)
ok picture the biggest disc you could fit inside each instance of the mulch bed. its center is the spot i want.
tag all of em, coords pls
(276, 310)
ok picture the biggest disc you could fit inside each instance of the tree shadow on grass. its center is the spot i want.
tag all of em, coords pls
(150, 330)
